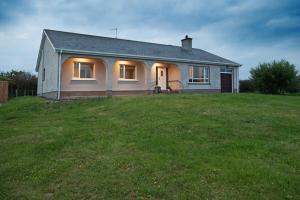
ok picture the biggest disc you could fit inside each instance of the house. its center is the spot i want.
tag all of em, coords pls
(78, 65)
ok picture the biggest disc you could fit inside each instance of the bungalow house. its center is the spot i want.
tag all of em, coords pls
(78, 65)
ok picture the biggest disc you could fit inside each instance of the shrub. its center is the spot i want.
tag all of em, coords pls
(276, 77)
(20, 83)
(247, 86)
(295, 86)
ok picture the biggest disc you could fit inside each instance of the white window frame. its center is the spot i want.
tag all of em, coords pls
(78, 78)
(125, 79)
(226, 70)
(191, 79)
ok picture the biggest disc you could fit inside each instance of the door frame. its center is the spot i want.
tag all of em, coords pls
(231, 73)
(167, 75)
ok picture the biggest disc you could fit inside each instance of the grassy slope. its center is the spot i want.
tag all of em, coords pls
(169, 147)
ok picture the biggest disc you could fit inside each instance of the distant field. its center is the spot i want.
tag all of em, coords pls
(244, 146)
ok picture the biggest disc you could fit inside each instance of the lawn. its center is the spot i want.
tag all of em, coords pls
(244, 146)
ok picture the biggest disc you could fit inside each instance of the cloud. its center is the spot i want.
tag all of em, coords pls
(284, 22)
(244, 7)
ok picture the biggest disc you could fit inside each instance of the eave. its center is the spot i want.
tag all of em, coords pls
(93, 53)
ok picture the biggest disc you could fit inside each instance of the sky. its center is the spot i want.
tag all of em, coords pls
(247, 31)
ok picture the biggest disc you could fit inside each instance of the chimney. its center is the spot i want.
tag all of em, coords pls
(186, 43)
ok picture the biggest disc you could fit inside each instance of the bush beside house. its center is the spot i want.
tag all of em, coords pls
(277, 77)
(247, 86)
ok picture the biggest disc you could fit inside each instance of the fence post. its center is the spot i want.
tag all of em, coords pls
(3, 91)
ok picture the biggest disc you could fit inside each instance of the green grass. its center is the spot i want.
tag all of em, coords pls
(244, 146)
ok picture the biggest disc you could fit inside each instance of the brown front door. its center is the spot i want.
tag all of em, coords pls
(226, 82)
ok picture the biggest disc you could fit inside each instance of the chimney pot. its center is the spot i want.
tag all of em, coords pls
(186, 43)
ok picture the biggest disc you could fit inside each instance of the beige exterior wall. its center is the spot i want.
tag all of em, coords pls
(174, 77)
(68, 83)
(125, 85)
(174, 72)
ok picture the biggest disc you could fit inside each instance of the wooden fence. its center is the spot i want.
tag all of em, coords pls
(3, 91)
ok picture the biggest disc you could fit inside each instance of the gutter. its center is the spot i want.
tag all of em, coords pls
(69, 51)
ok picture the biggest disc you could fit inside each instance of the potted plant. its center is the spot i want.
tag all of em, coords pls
(157, 89)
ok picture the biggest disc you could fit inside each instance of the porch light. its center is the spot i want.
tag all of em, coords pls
(82, 59)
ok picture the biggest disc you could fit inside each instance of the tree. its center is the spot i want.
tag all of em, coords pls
(295, 85)
(277, 77)
(20, 83)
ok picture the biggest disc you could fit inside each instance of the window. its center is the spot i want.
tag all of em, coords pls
(198, 74)
(84, 70)
(44, 74)
(127, 72)
(226, 69)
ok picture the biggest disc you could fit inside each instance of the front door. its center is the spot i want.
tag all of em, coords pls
(226, 82)
(162, 78)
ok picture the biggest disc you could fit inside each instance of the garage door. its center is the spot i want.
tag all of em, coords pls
(226, 82)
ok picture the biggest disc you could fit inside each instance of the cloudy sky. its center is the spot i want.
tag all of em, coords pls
(246, 31)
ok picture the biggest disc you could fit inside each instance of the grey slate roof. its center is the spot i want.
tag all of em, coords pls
(90, 43)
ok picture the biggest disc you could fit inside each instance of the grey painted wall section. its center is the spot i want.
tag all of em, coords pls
(40, 81)
(214, 79)
(50, 95)
(49, 61)
(235, 79)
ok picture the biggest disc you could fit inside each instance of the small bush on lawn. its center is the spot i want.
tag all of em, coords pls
(247, 86)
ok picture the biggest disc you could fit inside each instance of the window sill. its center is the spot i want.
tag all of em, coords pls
(128, 80)
(195, 83)
(83, 79)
